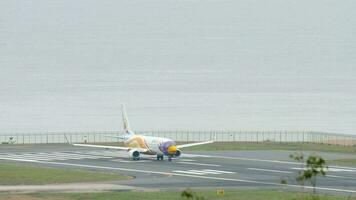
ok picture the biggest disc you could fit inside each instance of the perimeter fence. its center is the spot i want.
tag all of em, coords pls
(183, 136)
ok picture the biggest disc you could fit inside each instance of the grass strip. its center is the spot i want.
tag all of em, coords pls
(174, 195)
(20, 174)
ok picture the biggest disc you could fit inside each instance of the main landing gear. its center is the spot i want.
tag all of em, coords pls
(159, 157)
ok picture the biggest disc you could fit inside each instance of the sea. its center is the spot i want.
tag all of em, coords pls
(178, 65)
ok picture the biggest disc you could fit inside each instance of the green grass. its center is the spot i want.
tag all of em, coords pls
(218, 146)
(171, 195)
(19, 174)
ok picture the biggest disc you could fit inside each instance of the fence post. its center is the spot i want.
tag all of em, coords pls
(187, 135)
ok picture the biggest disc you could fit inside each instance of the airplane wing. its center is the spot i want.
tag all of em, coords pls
(193, 144)
(109, 147)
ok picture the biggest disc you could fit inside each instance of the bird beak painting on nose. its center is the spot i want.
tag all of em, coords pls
(172, 149)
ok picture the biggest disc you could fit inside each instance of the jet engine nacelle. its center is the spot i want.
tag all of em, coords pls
(134, 154)
(177, 154)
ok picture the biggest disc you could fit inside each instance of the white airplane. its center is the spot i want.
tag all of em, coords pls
(140, 144)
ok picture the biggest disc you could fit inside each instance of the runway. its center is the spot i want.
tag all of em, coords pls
(222, 169)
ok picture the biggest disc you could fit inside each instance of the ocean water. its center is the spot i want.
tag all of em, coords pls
(188, 64)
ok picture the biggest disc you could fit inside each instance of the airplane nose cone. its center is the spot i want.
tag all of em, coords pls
(172, 149)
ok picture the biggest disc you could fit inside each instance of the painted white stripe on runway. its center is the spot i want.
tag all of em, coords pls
(71, 158)
(88, 155)
(83, 154)
(104, 153)
(186, 160)
(269, 170)
(23, 156)
(219, 171)
(186, 175)
(37, 155)
(204, 172)
(343, 177)
(330, 169)
(189, 172)
(54, 154)
(202, 164)
(341, 167)
(187, 155)
(53, 157)
(26, 157)
(247, 159)
(333, 176)
(129, 161)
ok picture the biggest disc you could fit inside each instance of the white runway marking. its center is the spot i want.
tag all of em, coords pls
(223, 172)
(289, 172)
(187, 155)
(270, 170)
(343, 177)
(130, 161)
(185, 160)
(103, 153)
(247, 159)
(341, 167)
(183, 175)
(330, 169)
(53, 156)
(188, 172)
(203, 172)
(201, 164)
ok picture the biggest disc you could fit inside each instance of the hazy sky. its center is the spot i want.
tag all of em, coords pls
(189, 64)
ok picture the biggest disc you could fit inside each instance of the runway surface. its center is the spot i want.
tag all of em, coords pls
(222, 169)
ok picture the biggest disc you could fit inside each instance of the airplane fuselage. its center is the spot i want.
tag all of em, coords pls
(154, 145)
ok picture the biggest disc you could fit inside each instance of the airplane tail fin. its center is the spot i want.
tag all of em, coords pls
(126, 124)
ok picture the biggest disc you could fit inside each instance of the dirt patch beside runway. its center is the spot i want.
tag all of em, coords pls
(73, 187)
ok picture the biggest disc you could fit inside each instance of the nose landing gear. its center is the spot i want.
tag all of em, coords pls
(159, 157)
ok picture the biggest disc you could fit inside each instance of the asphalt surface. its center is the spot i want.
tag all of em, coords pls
(222, 169)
